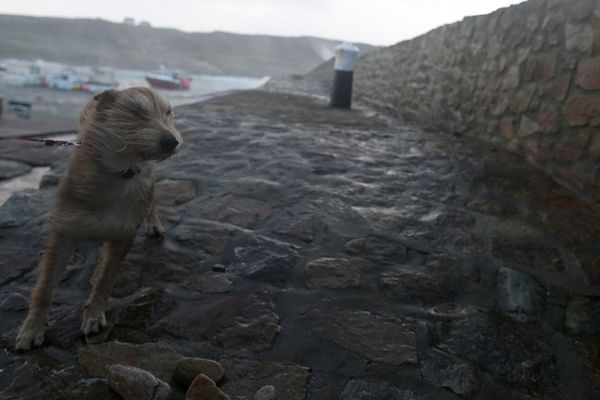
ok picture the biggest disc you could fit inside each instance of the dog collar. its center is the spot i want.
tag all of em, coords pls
(128, 173)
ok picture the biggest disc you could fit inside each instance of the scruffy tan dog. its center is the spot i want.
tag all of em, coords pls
(105, 195)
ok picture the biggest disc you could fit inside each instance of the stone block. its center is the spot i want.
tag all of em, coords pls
(524, 99)
(588, 73)
(548, 119)
(579, 37)
(528, 127)
(581, 110)
(507, 127)
(559, 87)
(572, 148)
(498, 105)
(512, 78)
(541, 68)
(581, 9)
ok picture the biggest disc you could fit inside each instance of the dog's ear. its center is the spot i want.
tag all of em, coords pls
(105, 99)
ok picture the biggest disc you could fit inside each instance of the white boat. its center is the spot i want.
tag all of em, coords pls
(67, 79)
(30, 75)
(101, 79)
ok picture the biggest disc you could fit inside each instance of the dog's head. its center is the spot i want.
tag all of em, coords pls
(134, 124)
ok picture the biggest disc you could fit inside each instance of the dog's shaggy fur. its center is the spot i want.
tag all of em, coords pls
(105, 195)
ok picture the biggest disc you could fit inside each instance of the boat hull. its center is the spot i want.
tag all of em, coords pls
(165, 84)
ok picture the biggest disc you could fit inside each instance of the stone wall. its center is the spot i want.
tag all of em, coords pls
(525, 77)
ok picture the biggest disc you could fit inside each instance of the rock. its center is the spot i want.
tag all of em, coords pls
(10, 169)
(588, 354)
(23, 207)
(548, 119)
(49, 181)
(580, 10)
(304, 229)
(540, 258)
(14, 302)
(360, 389)
(136, 384)
(581, 316)
(588, 73)
(203, 235)
(257, 186)
(246, 376)
(441, 369)
(263, 259)
(512, 351)
(514, 229)
(379, 248)
(527, 127)
(156, 359)
(248, 322)
(266, 392)
(128, 280)
(203, 388)
(187, 369)
(572, 148)
(174, 192)
(134, 321)
(520, 296)
(415, 288)
(511, 79)
(335, 273)
(242, 211)
(211, 282)
(579, 37)
(541, 67)
(579, 110)
(382, 338)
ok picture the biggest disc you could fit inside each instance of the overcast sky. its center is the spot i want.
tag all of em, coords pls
(381, 22)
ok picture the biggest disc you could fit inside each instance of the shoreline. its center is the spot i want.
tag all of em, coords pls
(64, 108)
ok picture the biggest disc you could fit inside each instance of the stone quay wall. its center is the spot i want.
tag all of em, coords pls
(526, 78)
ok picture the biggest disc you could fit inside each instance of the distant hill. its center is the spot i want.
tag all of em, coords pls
(98, 42)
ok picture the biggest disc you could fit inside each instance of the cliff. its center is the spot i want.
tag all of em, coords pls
(97, 42)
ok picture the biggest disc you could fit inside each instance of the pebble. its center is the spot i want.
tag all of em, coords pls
(203, 388)
(136, 384)
(266, 392)
(188, 369)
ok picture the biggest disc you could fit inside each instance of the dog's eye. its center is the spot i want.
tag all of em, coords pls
(140, 112)
(170, 112)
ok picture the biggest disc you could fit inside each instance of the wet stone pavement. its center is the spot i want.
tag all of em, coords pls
(323, 254)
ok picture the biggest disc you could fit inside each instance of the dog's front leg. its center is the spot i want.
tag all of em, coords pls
(113, 254)
(51, 267)
(152, 225)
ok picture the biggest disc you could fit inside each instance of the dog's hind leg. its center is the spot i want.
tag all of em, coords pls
(113, 254)
(51, 267)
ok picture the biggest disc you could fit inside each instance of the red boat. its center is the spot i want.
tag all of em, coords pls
(165, 78)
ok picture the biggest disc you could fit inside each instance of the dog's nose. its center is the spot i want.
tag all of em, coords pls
(168, 143)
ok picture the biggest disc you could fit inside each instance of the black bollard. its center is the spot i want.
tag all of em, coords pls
(341, 95)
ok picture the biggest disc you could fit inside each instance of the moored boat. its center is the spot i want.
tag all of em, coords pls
(101, 79)
(165, 78)
(67, 79)
(31, 75)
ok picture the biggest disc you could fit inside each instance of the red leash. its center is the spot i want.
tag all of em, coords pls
(38, 137)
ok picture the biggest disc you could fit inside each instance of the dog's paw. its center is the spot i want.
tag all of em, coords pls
(30, 335)
(93, 322)
(154, 230)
